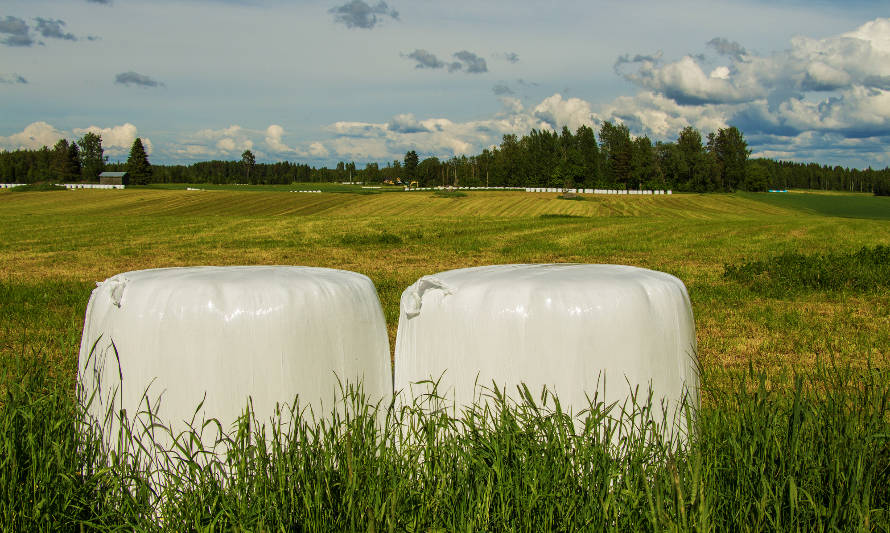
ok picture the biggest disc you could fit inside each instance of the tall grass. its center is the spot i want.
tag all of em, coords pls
(867, 269)
(811, 453)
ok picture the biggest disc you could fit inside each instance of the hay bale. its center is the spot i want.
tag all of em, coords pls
(575, 329)
(222, 335)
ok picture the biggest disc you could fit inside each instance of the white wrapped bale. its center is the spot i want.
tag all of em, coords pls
(230, 333)
(566, 327)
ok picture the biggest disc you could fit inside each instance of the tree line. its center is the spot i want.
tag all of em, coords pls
(610, 158)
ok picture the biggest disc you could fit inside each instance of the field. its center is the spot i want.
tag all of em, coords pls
(54, 245)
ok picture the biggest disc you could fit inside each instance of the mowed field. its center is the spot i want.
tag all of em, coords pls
(55, 245)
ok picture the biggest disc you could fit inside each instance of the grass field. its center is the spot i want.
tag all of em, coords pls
(54, 245)
(832, 204)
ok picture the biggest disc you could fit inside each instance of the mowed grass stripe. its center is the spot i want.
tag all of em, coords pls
(166, 202)
(477, 203)
(518, 204)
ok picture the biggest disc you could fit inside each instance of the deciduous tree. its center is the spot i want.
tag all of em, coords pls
(92, 158)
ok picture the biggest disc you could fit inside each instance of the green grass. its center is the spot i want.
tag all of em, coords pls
(815, 458)
(296, 186)
(449, 194)
(761, 462)
(65, 241)
(846, 205)
(37, 187)
(866, 270)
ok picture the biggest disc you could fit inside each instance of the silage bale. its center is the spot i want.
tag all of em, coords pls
(226, 336)
(579, 330)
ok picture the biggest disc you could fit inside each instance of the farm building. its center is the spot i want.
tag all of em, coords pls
(114, 178)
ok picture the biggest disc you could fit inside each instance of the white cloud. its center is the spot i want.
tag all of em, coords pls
(317, 149)
(34, 136)
(686, 82)
(822, 99)
(557, 112)
(117, 140)
(661, 117)
(221, 143)
(860, 58)
(721, 73)
(273, 139)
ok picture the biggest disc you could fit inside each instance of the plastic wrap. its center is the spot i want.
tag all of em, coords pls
(222, 335)
(577, 329)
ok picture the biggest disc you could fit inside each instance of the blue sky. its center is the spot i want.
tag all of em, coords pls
(321, 81)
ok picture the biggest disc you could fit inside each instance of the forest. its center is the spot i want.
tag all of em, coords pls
(609, 158)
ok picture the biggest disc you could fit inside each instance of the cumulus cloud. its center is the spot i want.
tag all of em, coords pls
(556, 112)
(225, 142)
(116, 140)
(274, 133)
(231, 141)
(860, 58)
(34, 136)
(686, 82)
(360, 14)
(318, 150)
(12, 79)
(430, 136)
(135, 79)
(816, 88)
(824, 99)
(53, 29)
(424, 59)
(16, 31)
(405, 123)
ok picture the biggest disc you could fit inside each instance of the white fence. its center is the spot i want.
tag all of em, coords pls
(598, 191)
(10, 185)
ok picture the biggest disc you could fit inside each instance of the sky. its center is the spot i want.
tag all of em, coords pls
(318, 81)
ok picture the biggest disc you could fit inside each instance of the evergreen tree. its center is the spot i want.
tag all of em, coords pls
(137, 164)
(92, 159)
(731, 152)
(589, 152)
(74, 166)
(411, 162)
(643, 167)
(691, 165)
(248, 161)
(617, 150)
(65, 164)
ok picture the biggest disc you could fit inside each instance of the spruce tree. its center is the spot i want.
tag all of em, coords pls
(411, 162)
(137, 164)
(65, 165)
